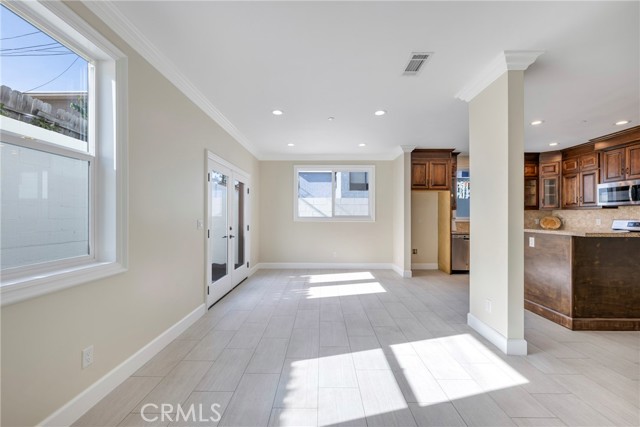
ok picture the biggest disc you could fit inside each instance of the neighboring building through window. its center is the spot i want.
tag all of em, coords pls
(463, 195)
(62, 159)
(334, 193)
(45, 184)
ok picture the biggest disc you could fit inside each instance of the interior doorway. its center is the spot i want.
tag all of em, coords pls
(228, 228)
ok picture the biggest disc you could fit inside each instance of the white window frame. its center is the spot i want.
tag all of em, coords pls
(106, 153)
(370, 169)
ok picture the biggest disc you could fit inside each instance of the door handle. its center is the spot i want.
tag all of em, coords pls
(231, 236)
(224, 237)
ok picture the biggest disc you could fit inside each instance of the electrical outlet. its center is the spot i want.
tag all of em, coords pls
(532, 242)
(415, 251)
(335, 254)
(200, 224)
(487, 305)
(537, 221)
(87, 357)
(598, 221)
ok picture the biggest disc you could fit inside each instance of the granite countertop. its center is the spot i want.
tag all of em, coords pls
(460, 232)
(583, 233)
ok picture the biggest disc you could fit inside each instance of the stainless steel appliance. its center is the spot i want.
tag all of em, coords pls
(626, 224)
(460, 252)
(619, 193)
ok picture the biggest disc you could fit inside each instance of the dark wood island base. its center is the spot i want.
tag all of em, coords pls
(583, 281)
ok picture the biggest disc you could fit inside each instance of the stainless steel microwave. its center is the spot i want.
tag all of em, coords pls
(619, 193)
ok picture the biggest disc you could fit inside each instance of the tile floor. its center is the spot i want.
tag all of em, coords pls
(359, 348)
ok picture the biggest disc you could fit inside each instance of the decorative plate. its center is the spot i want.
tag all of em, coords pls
(550, 223)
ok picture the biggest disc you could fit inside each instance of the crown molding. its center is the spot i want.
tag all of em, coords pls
(509, 60)
(407, 148)
(384, 156)
(123, 27)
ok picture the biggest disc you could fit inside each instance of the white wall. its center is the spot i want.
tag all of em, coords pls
(497, 157)
(284, 240)
(42, 338)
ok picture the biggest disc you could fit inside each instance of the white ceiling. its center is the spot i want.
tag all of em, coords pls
(314, 60)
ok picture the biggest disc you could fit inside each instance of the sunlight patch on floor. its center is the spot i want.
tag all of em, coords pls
(339, 277)
(332, 291)
(409, 371)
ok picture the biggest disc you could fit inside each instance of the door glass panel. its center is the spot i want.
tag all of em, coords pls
(219, 226)
(239, 224)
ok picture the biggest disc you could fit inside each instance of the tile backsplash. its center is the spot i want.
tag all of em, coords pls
(579, 219)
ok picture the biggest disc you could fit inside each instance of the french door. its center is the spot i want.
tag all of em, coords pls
(227, 228)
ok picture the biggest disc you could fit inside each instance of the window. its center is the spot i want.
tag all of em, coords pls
(62, 117)
(334, 193)
(463, 194)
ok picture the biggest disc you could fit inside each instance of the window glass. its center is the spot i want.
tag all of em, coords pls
(352, 194)
(314, 194)
(44, 83)
(334, 193)
(463, 194)
(45, 206)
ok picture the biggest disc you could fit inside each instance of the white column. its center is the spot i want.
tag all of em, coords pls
(496, 154)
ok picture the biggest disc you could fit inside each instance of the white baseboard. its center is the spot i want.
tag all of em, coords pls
(514, 347)
(403, 273)
(325, 265)
(425, 266)
(253, 269)
(76, 407)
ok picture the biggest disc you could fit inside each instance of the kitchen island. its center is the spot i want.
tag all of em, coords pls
(583, 280)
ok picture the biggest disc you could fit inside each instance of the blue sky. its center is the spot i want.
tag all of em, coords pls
(32, 60)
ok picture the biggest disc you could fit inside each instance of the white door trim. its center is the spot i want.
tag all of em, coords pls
(234, 172)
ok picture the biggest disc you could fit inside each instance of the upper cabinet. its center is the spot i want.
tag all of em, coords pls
(550, 180)
(580, 174)
(621, 164)
(531, 193)
(620, 155)
(432, 169)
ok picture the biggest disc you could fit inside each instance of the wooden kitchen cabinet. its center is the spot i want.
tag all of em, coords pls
(580, 177)
(632, 157)
(589, 188)
(439, 174)
(419, 175)
(550, 192)
(432, 169)
(621, 164)
(570, 191)
(550, 180)
(580, 190)
(531, 190)
(431, 175)
(619, 155)
(613, 165)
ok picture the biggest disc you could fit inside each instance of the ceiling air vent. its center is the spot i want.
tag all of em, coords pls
(416, 62)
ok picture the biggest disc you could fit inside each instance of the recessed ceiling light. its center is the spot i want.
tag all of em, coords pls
(362, 145)
(331, 118)
(536, 122)
(553, 144)
(291, 145)
(380, 113)
(622, 122)
(277, 112)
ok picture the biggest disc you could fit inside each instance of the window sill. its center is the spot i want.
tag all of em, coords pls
(27, 287)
